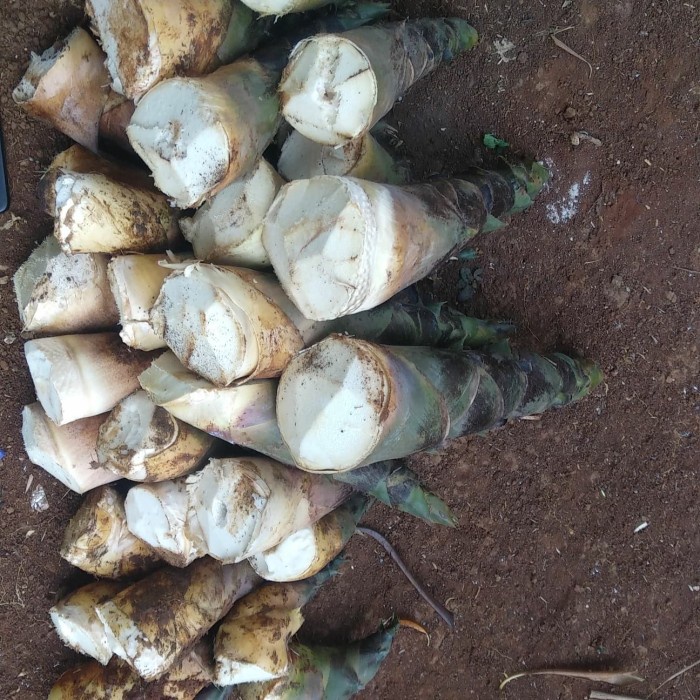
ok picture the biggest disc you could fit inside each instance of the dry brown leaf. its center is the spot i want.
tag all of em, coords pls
(611, 677)
(568, 49)
(404, 622)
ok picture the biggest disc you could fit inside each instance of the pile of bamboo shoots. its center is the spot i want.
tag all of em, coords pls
(240, 295)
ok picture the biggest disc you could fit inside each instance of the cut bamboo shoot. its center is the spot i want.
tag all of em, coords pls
(226, 229)
(68, 87)
(59, 293)
(340, 245)
(143, 442)
(159, 514)
(76, 621)
(151, 623)
(247, 505)
(67, 452)
(135, 281)
(337, 86)
(347, 402)
(222, 325)
(147, 41)
(77, 376)
(98, 541)
(198, 135)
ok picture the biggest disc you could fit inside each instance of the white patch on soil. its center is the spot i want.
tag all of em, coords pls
(563, 210)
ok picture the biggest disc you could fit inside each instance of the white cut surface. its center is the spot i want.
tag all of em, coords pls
(228, 505)
(330, 405)
(181, 139)
(81, 634)
(290, 559)
(230, 672)
(317, 234)
(204, 329)
(329, 90)
(226, 228)
(158, 515)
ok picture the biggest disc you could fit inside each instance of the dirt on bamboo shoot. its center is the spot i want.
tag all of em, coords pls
(117, 681)
(143, 442)
(252, 640)
(152, 622)
(97, 539)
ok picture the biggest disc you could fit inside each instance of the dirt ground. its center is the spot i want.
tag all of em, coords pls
(547, 568)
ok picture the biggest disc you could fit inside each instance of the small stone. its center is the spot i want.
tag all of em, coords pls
(672, 297)
(4, 279)
(570, 113)
(10, 338)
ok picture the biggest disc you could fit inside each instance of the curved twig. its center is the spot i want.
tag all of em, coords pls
(440, 609)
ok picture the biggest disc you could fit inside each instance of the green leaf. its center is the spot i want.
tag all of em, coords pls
(494, 143)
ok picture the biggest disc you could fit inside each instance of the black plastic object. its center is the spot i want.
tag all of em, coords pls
(4, 197)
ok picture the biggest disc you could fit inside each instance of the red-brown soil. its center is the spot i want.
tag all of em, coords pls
(545, 569)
